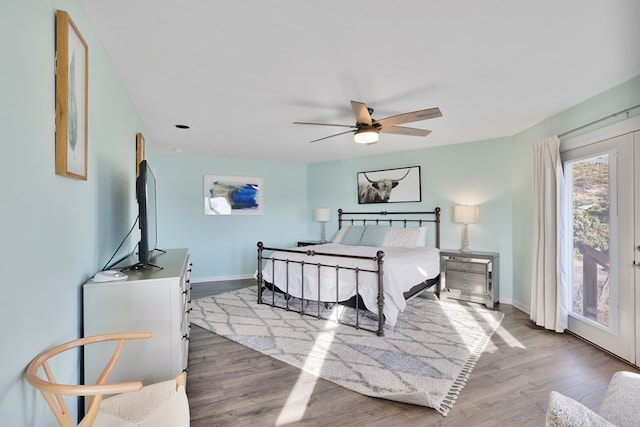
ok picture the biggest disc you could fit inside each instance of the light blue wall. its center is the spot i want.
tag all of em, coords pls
(471, 173)
(55, 231)
(616, 99)
(224, 247)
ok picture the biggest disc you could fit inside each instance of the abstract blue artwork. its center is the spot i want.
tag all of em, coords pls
(233, 195)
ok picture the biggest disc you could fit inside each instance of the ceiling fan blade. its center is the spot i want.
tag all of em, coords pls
(414, 116)
(331, 136)
(361, 111)
(399, 130)
(323, 124)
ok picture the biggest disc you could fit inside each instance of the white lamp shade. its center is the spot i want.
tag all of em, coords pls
(465, 214)
(322, 214)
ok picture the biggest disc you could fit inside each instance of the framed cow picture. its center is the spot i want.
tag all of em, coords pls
(390, 186)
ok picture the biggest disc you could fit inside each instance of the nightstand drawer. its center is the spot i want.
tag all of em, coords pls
(460, 276)
(473, 267)
(478, 287)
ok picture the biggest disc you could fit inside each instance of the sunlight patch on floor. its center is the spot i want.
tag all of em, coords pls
(508, 338)
(501, 332)
(298, 400)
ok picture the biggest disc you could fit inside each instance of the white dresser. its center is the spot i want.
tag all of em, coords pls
(150, 300)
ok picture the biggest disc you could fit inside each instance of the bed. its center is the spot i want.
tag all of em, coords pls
(376, 262)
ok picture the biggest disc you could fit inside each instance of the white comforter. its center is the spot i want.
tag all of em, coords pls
(403, 268)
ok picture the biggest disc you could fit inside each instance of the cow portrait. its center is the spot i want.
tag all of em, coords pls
(377, 187)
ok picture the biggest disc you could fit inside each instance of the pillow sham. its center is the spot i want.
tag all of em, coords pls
(406, 237)
(422, 237)
(374, 235)
(353, 235)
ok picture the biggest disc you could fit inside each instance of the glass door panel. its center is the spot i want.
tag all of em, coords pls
(599, 184)
(590, 195)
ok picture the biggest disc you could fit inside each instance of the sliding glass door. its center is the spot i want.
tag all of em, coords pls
(601, 194)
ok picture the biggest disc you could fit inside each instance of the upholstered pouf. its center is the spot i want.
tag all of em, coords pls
(621, 403)
(619, 408)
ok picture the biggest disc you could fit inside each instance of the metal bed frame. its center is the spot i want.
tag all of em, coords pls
(418, 218)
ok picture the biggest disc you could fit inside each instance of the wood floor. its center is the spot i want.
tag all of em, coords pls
(232, 385)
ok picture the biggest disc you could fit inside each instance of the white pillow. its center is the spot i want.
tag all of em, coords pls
(339, 235)
(398, 237)
(422, 237)
(402, 237)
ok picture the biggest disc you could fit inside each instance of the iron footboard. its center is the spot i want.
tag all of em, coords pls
(283, 288)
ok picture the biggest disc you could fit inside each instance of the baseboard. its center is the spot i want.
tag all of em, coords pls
(522, 307)
(197, 280)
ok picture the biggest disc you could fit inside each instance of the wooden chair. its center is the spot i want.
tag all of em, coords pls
(158, 404)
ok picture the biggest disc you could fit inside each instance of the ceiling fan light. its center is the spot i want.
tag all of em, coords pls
(366, 136)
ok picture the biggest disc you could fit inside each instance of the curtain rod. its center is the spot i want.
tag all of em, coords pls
(626, 110)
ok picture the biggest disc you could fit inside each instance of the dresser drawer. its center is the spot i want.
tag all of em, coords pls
(473, 267)
(184, 362)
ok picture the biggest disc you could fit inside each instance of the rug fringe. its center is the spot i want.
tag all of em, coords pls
(458, 384)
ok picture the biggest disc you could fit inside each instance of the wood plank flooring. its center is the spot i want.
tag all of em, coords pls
(232, 385)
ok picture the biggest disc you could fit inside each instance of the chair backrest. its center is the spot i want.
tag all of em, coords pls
(54, 392)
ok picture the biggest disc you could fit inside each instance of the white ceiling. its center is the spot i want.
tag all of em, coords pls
(240, 72)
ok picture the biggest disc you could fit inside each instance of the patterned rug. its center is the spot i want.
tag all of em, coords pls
(425, 359)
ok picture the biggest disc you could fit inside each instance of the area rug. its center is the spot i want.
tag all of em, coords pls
(426, 359)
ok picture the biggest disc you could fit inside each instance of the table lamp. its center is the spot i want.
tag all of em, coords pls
(322, 215)
(465, 214)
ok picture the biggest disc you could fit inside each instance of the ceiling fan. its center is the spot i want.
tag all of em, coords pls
(367, 130)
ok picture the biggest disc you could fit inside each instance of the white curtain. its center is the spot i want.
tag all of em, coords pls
(549, 289)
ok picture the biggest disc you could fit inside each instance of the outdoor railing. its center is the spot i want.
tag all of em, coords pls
(592, 257)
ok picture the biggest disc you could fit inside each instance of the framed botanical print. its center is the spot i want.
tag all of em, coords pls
(72, 70)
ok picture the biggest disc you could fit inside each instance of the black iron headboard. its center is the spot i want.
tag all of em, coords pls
(417, 218)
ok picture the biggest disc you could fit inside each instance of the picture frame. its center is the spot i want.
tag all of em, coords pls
(140, 154)
(233, 195)
(72, 96)
(400, 185)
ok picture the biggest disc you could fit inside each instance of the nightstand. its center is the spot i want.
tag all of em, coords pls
(472, 276)
(302, 243)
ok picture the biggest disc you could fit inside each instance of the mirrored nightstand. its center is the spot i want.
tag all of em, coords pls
(470, 276)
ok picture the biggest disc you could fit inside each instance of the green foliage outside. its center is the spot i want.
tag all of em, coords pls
(591, 203)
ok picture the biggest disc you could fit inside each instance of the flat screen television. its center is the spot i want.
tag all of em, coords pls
(146, 195)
